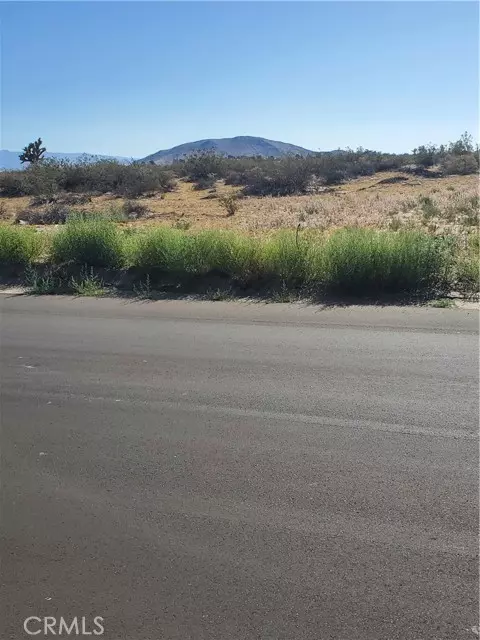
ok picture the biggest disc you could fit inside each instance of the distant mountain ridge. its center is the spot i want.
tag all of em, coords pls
(10, 160)
(237, 146)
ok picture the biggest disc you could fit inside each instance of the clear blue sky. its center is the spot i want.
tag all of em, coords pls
(129, 78)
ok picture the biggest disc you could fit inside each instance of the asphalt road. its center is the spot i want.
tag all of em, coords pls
(220, 471)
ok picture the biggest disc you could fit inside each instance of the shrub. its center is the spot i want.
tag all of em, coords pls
(109, 176)
(235, 178)
(134, 210)
(428, 207)
(42, 179)
(204, 183)
(12, 184)
(49, 177)
(296, 175)
(287, 176)
(19, 246)
(257, 182)
(463, 164)
(91, 241)
(202, 164)
(54, 214)
(230, 202)
(136, 180)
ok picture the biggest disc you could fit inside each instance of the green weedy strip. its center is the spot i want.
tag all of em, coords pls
(364, 261)
(356, 262)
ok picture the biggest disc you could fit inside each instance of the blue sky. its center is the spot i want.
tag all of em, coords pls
(129, 78)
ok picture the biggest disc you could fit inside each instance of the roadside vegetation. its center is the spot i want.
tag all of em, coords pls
(344, 262)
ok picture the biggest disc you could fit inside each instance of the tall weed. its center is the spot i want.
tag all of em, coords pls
(93, 241)
(19, 245)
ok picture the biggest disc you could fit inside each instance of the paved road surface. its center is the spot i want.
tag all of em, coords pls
(237, 472)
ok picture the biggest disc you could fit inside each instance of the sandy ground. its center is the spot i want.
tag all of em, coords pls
(366, 202)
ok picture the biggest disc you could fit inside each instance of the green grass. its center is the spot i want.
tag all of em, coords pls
(175, 251)
(358, 262)
(350, 261)
(227, 252)
(284, 256)
(93, 241)
(162, 248)
(19, 245)
(364, 261)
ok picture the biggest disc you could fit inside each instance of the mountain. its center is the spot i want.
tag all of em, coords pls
(238, 146)
(10, 159)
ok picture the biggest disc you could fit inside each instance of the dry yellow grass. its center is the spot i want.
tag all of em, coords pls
(365, 202)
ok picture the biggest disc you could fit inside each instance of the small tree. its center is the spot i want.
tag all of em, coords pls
(463, 145)
(425, 155)
(33, 152)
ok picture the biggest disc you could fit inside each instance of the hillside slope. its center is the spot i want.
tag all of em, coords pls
(238, 146)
